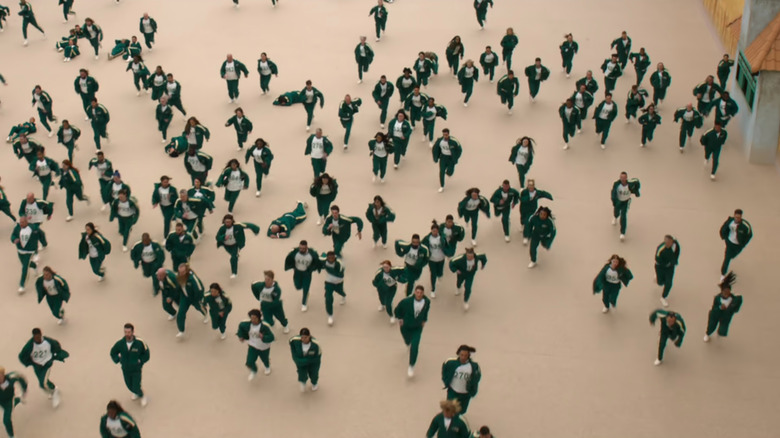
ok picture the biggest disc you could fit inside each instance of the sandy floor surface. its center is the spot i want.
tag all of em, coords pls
(553, 365)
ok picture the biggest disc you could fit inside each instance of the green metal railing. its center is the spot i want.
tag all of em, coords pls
(746, 80)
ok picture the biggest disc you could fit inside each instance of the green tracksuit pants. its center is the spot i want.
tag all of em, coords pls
(330, 289)
(253, 353)
(412, 340)
(271, 310)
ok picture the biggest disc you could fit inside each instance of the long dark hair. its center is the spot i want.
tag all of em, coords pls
(531, 142)
(188, 126)
(114, 405)
(331, 181)
(453, 43)
(70, 166)
(218, 288)
(233, 160)
(260, 143)
(472, 190)
(545, 209)
(621, 261)
(381, 201)
(728, 281)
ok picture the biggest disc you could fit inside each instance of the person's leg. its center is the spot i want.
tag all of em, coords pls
(8, 408)
(7, 210)
(468, 281)
(148, 40)
(731, 252)
(534, 248)
(306, 284)
(388, 300)
(303, 373)
(414, 338)
(668, 279)
(96, 134)
(314, 373)
(25, 23)
(724, 323)
(338, 245)
(383, 233)
(474, 216)
(42, 373)
(329, 287)
(43, 117)
(265, 357)
(309, 112)
(137, 389)
(126, 226)
(45, 184)
(521, 170)
(264, 82)
(348, 131)
(167, 214)
(662, 346)
(533, 87)
(95, 45)
(715, 159)
(613, 296)
(605, 132)
(469, 89)
(505, 220)
(181, 316)
(712, 323)
(383, 114)
(251, 358)
(26, 260)
(623, 216)
(233, 251)
(55, 305)
(383, 167)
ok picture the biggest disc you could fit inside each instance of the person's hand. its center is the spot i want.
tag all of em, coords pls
(241, 339)
(224, 76)
(283, 234)
(168, 300)
(16, 241)
(330, 227)
(221, 314)
(274, 236)
(324, 155)
(723, 307)
(458, 272)
(360, 235)
(698, 96)
(400, 322)
(154, 205)
(48, 218)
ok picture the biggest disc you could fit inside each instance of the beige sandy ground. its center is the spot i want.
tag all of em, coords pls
(554, 366)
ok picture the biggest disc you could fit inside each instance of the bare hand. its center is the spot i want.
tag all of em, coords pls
(360, 235)
(283, 234)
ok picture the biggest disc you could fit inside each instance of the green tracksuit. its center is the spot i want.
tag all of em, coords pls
(163, 115)
(43, 103)
(112, 189)
(400, 133)
(649, 122)
(724, 110)
(708, 96)
(28, 18)
(380, 19)
(459, 428)
(169, 289)
(165, 197)
(508, 44)
(539, 230)
(5, 206)
(591, 86)
(347, 116)
(447, 153)
(104, 170)
(604, 117)
(660, 81)
(28, 150)
(288, 221)
(508, 89)
(334, 281)
(380, 151)
(126, 213)
(623, 49)
(192, 294)
(675, 333)
(56, 293)
(303, 265)
(429, 115)
(666, 260)
(97, 248)
(405, 86)
(522, 157)
(95, 37)
(9, 400)
(127, 427)
(568, 50)
(150, 258)
(454, 53)
(379, 220)
(132, 356)
(219, 308)
(469, 209)
(233, 239)
(535, 78)
(466, 271)
(261, 159)
(467, 76)
(308, 363)
(36, 213)
(415, 104)
(340, 230)
(620, 195)
(364, 56)
(381, 95)
(173, 91)
(235, 70)
(43, 170)
(309, 98)
(157, 83)
(270, 298)
(206, 197)
(609, 282)
(571, 119)
(641, 63)
(325, 195)
(412, 322)
(181, 248)
(386, 284)
(265, 70)
(148, 32)
(529, 203)
(437, 247)
(736, 236)
(713, 142)
(70, 142)
(635, 102)
(503, 202)
(724, 70)
(415, 260)
(451, 236)
(582, 101)
(489, 62)
(719, 318)
(26, 247)
(690, 120)
(422, 69)
(234, 181)
(456, 376)
(198, 166)
(41, 357)
(319, 149)
(99, 118)
(260, 337)
(611, 73)
(481, 7)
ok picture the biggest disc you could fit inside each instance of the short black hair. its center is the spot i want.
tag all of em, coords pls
(130, 326)
(36, 331)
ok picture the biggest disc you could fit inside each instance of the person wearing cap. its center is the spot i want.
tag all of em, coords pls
(412, 314)
(282, 227)
(406, 83)
(40, 352)
(165, 196)
(724, 306)
(149, 255)
(191, 295)
(672, 329)
(8, 398)
(232, 237)
(461, 376)
(449, 423)
(383, 91)
(125, 210)
(303, 261)
(614, 273)
(180, 244)
(339, 227)
(99, 118)
(259, 337)
(131, 353)
(190, 210)
(736, 232)
(105, 171)
(266, 68)
(447, 152)
(163, 114)
(465, 266)
(230, 71)
(261, 157)
(197, 164)
(234, 180)
(26, 238)
(364, 56)
(56, 291)
(307, 356)
(269, 294)
(612, 71)
(169, 291)
(380, 18)
(667, 255)
(219, 306)
(97, 247)
(242, 125)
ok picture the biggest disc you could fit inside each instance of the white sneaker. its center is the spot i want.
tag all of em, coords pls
(567, 76)
(286, 329)
(230, 100)
(60, 321)
(25, 43)
(330, 320)
(124, 249)
(206, 320)
(51, 133)
(457, 292)
(373, 244)
(319, 220)
(509, 112)
(722, 277)
(20, 290)
(579, 131)
(163, 141)
(565, 146)
(664, 302)
(103, 208)
(97, 57)
(641, 145)
(382, 126)
(706, 162)
(251, 376)
(343, 301)
(473, 242)
(171, 317)
(410, 371)
(465, 104)
(441, 189)
(430, 144)
(346, 146)
(433, 294)
(304, 308)
(101, 279)
(360, 81)
(257, 194)
(657, 362)
(144, 401)
(614, 221)
(393, 320)
(232, 276)
(384, 245)
(491, 81)
(622, 237)
(604, 309)
(525, 241)
(137, 93)
(302, 386)
(706, 338)
(506, 239)
(380, 308)
(133, 396)
(603, 146)
(86, 118)
(712, 177)
(315, 387)
(180, 335)
(628, 121)
(222, 336)
(55, 398)
(395, 166)
(466, 307)
(531, 265)
(266, 371)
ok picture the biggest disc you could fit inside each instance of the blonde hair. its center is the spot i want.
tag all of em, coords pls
(450, 406)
